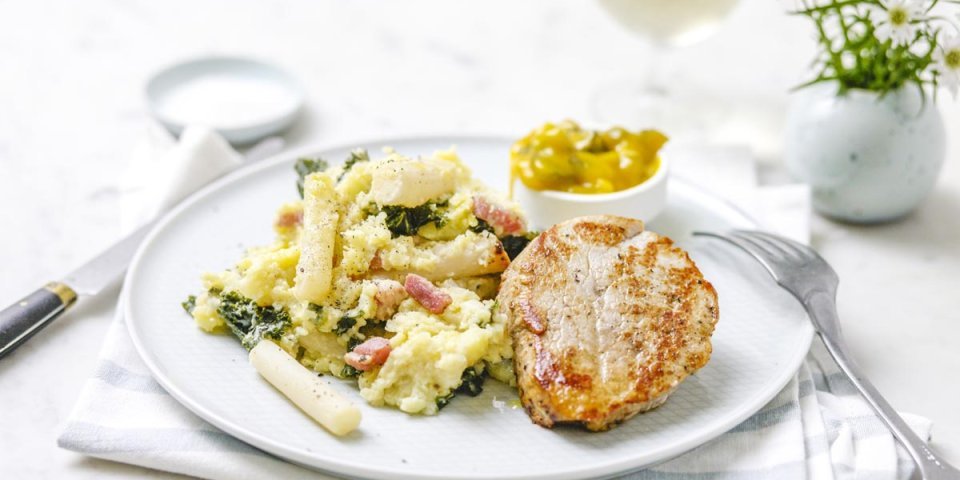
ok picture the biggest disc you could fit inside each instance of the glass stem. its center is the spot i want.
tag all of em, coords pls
(659, 72)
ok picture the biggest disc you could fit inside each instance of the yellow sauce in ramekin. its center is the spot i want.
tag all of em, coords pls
(567, 158)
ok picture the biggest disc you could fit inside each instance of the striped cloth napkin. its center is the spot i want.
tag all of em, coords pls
(817, 427)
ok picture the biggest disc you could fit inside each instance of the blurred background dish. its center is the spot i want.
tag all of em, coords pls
(670, 23)
(242, 99)
(666, 25)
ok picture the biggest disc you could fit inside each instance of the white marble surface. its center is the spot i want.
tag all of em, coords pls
(71, 110)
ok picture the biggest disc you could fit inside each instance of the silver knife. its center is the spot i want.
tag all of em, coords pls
(23, 319)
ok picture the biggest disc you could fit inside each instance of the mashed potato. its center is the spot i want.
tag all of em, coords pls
(336, 277)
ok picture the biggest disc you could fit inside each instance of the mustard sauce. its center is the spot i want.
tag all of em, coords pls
(566, 158)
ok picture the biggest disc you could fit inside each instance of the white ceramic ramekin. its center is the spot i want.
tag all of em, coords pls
(549, 207)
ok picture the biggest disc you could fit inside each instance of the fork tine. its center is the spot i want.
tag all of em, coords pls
(769, 250)
(785, 243)
(755, 251)
(771, 242)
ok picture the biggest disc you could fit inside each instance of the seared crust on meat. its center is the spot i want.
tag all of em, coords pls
(606, 320)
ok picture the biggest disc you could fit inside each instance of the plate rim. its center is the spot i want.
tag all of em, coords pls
(333, 467)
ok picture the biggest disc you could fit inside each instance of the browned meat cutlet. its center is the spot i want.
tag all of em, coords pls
(606, 320)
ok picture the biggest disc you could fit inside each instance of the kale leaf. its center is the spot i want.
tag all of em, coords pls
(356, 156)
(349, 372)
(317, 310)
(251, 322)
(189, 304)
(352, 343)
(514, 244)
(471, 383)
(306, 166)
(344, 324)
(406, 220)
(482, 226)
(444, 400)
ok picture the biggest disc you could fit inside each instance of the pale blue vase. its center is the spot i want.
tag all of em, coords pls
(869, 159)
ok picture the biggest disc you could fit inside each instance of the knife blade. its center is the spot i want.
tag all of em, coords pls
(101, 271)
(25, 318)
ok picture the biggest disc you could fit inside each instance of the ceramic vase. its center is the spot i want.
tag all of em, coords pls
(868, 158)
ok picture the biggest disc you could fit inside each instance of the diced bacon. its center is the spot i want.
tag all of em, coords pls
(503, 221)
(431, 297)
(290, 218)
(369, 354)
(388, 297)
(376, 264)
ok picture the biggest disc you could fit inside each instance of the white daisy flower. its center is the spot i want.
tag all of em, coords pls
(948, 63)
(896, 20)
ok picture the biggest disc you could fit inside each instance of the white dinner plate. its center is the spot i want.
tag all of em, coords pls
(762, 337)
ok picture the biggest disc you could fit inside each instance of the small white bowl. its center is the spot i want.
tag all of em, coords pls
(549, 207)
(242, 99)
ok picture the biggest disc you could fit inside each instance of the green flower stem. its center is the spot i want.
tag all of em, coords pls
(846, 32)
(834, 57)
(824, 8)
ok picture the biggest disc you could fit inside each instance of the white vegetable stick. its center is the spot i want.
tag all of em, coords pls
(304, 388)
(469, 255)
(320, 219)
(412, 182)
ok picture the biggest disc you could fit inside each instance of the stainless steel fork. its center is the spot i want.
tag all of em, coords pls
(802, 272)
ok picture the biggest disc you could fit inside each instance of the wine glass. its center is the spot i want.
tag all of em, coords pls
(667, 25)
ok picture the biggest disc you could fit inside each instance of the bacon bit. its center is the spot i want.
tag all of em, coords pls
(289, 219)
(376, 264)
(371, 353)
(502, 220)
(388, 297)
(425, 292)
(531, 317)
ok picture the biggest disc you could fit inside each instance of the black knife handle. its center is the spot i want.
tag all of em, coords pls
(20, 321)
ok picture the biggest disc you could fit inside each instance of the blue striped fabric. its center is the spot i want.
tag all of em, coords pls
(817, 427)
